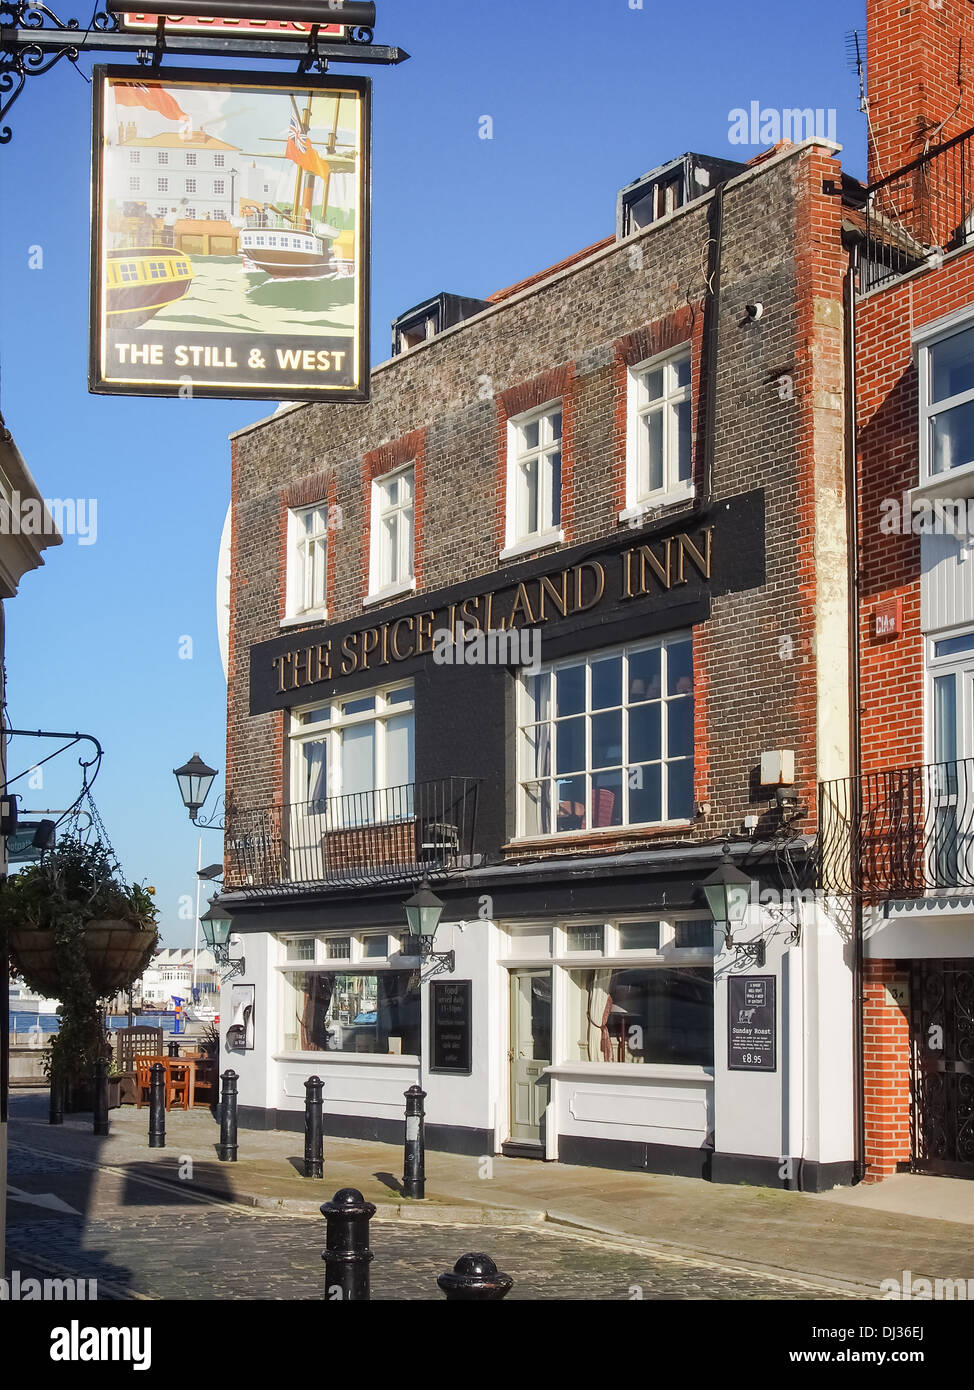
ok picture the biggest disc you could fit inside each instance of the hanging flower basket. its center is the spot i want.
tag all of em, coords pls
(77, 931)
(116, 952)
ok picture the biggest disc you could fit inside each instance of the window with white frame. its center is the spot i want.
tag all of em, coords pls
(631, 991)
(307, 561)
(659, 435)
(393, 529)
(947, 403)
(163, 157)
(534, 476)
(360, 749)
(378, 1013)
(950, 702)
(190, 185)
(606, 740)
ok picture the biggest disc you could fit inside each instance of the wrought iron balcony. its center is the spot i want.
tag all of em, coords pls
(899, 833)
(918, 211)
(390, 835)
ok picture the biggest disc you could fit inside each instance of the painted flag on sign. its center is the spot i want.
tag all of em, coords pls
(153, 98)
(301, 151)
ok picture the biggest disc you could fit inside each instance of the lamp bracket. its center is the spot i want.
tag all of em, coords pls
(216, 821)
(236, 967)
(749, 953)
(440, 962)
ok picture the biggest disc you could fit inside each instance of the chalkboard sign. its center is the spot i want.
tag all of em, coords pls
(752, 1030)
(450, 1026)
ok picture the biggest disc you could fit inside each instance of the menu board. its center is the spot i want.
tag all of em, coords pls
(450, 1026)
(752, 1038)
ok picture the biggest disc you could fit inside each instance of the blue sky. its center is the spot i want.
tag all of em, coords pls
(583, 97)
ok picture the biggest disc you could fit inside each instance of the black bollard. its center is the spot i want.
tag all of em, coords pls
(475, 1279)
(55, 1113)
(173, 1049)
(157, 1107)
(347, 1255)
(314, 1158)
(100, 1097)
(414, 1160)
(227, 1152)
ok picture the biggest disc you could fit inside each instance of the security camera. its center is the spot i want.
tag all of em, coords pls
(754, 311)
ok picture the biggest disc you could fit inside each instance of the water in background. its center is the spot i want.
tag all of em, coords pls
(25, 1021)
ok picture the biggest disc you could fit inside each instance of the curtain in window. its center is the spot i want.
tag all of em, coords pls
(599, 1008)
(314, 1016)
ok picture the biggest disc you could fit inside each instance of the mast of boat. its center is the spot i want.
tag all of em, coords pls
(333, 141)
(305, 124)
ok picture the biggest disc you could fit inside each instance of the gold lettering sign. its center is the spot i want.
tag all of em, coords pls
(644, 569)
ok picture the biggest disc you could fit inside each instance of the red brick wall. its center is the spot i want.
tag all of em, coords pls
(912, 55)
(888, 441)
(887, 1072)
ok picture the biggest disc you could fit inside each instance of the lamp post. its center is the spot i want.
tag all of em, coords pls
(423, 912)
(728, 893)
(234, 175)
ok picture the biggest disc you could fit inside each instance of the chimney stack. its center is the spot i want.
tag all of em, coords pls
(913, 51)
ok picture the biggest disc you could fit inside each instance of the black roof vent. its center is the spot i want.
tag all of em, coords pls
(667, 188)
(423, 322)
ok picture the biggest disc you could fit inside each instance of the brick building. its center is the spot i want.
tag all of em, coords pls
(554, 621)
(910, 805)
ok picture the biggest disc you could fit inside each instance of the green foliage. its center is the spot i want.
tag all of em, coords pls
(74, 885)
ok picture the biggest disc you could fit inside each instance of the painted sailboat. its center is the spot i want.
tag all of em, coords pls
(297, 248)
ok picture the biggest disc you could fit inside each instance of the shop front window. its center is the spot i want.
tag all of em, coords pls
(660, 1014)
(379, 1013)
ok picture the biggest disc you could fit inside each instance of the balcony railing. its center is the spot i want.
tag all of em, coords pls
(922, 207)
(899, 833)
(393, 834)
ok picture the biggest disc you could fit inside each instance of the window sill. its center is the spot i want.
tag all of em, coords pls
(597, 837)
(956, 482)
(393, 1059)
(644, 1071)
(317, 615)
(391, 591)
(543, 541)
(643, 512)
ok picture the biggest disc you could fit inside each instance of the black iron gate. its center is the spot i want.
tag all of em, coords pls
(942, 1026)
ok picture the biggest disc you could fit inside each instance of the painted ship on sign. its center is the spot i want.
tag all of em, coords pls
(284, 253)
(141, 281)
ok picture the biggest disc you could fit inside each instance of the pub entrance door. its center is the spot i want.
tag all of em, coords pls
(529, 1056)
(942, 1055)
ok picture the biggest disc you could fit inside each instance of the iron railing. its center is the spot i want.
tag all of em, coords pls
(922, 209)
(899, 833)
(388, 835)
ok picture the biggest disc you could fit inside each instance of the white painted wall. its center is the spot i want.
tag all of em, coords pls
(469, 1102)
(805, 1109)
(936, 928)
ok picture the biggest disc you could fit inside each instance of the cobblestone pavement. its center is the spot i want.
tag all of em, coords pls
(137, 1237)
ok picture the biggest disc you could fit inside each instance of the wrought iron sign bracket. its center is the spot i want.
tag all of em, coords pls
(313, 59)
(84, 763)
(33, 40)
(153, 57)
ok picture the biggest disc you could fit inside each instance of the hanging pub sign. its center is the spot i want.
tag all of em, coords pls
(267, 28)
(230, 235)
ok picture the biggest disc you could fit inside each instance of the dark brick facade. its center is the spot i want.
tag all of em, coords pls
(779, 432)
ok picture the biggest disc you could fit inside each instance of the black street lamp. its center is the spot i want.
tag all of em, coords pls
(216, 922)
(423, 912)
(728, 893)
(194, 780)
